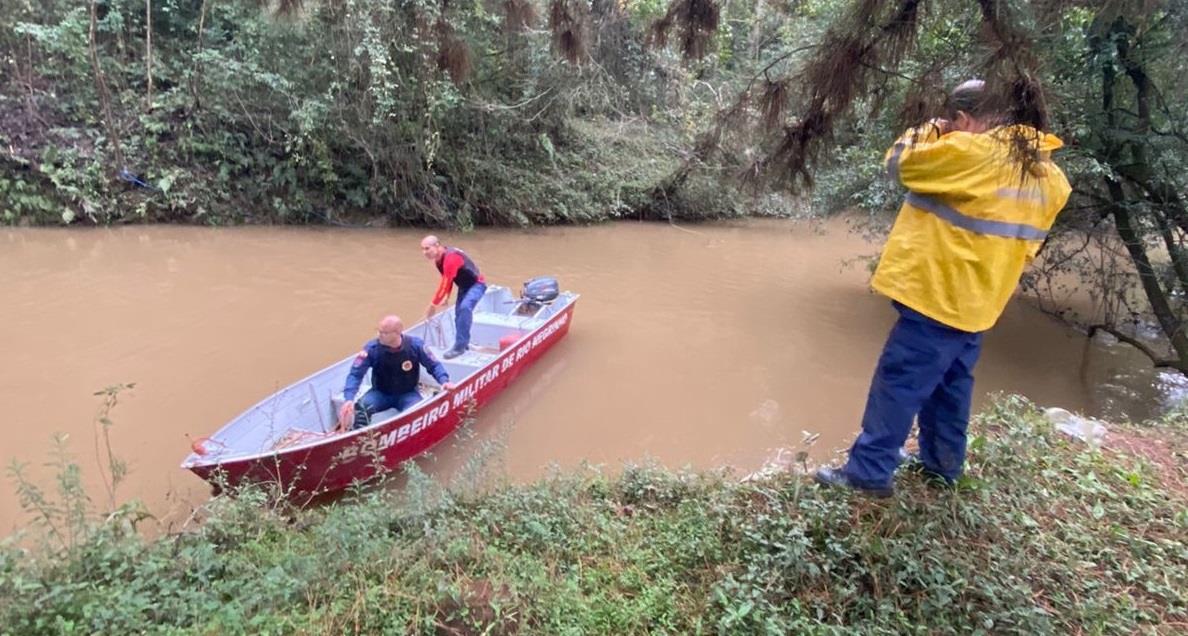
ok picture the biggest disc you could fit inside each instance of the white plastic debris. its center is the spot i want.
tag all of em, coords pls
(1086, 429)
(786, 460)
(782, 461)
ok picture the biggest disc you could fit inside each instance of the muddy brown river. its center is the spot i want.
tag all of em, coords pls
(704, 346)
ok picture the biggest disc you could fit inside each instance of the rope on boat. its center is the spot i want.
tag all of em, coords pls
(296, 436)
(434, 332)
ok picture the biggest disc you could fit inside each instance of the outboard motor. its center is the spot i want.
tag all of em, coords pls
(536, 293)
(541, 289)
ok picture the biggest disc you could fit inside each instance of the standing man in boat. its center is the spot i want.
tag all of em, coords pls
(456, 269)
(395, 360)
(982, 194)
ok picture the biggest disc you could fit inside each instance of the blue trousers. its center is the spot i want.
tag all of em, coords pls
(464, 314)
(925, 371)
(375, 401)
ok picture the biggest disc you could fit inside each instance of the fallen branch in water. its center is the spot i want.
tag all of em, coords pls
(1141, 346)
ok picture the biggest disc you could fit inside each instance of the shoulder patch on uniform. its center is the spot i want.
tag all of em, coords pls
(360, 359)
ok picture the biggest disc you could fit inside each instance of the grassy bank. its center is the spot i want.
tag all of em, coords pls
(1044, 536)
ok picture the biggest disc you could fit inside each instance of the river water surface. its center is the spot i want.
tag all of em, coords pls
(710, 346)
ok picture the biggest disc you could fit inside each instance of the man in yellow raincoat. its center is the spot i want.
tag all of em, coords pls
(982, 194)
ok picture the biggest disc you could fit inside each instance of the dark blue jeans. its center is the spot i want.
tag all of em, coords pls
(464, 314)
(926, 370)
(375, 401)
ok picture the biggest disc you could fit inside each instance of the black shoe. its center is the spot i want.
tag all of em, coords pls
(834, 477)
(453, 353)
(912, 463)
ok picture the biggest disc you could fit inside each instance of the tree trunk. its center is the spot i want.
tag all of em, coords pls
(757, 28)
(1127, 155)
(196, 72)
(148, 54)
(113, 137)
(1162, 194)
(1175, 250)
(1172, 326)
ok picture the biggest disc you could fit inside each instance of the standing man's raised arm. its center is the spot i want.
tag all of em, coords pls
(450, 264)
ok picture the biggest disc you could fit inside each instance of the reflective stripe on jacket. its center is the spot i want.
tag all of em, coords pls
(969, 224)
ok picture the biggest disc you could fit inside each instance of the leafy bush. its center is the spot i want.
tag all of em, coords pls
(340, 112)
(1043, 535)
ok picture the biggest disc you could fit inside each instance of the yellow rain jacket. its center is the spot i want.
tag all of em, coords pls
(969, 224)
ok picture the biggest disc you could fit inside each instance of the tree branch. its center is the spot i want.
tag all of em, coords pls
(781, 58)
(1141, 346)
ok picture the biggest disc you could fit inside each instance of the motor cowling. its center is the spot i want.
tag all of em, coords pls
(541, 289)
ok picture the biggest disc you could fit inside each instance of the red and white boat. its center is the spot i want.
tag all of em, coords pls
(288, 438)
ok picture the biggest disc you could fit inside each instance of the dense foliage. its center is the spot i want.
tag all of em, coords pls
(432, 113)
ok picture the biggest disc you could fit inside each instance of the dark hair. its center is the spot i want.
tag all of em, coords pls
(972, 98)
(1023, 104)
(1027, 103)
(1020, 102)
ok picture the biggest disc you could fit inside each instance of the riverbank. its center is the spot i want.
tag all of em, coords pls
(584, 171)
(1045, 535)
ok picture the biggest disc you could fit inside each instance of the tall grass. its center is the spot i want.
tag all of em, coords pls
(1044, 535)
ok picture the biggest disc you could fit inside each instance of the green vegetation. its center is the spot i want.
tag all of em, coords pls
(432, 113)
(1044, 535)
(340, 112)
(465, 114)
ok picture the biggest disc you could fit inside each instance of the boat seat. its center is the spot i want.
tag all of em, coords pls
(462, 365)
(523, 323)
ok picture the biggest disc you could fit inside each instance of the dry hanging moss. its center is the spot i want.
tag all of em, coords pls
(453, 55)
(794, 115)
(697, 22)
(518, 16)
(288, 7)
(870, 36)
(569, 22)
(773, 102)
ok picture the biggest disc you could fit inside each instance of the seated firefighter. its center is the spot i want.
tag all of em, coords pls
(395, 360)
